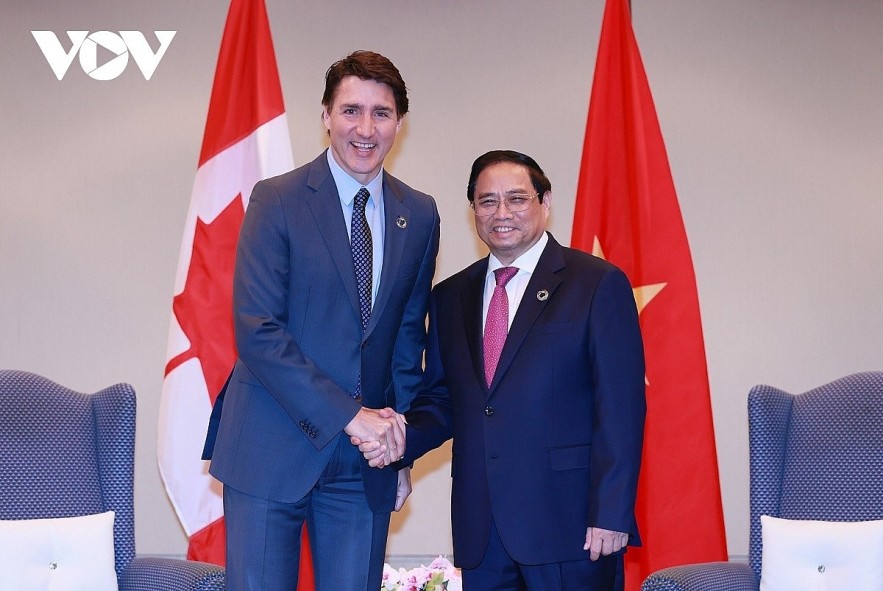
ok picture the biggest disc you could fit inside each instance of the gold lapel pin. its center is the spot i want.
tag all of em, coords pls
(542, 295)
(401, 222)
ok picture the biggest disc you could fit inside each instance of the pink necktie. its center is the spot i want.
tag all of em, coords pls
(496, 326)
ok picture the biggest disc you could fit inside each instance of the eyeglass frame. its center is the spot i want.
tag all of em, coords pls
(528, 198)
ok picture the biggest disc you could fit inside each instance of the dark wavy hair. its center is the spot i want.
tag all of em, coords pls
(366, 65)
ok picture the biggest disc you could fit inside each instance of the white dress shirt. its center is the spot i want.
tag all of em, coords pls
(347, 187)
(526, 264)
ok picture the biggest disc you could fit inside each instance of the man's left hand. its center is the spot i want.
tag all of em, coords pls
(603, 542)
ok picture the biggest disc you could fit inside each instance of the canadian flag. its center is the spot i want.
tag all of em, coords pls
(627, 212)
(246, 139)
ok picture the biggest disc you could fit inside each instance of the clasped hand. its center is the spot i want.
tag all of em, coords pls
(379, 434)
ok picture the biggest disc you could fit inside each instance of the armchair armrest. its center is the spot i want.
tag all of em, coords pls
(167, 574)
(709, 576)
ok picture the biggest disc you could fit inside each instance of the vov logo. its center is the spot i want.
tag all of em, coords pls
(118, 46)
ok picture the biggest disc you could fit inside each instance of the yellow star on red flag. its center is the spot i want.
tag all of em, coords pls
(644, 294)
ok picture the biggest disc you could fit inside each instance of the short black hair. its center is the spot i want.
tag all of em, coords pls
(539, 179)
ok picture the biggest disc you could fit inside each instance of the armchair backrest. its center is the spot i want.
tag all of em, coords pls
(65, 454)
(816, 455)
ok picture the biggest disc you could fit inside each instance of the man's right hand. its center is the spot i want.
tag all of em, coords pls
(383, 431)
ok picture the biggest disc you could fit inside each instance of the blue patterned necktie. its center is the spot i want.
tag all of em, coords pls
(363, 261)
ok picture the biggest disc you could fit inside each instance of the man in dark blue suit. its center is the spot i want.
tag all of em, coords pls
(547, 420)
(333, 271)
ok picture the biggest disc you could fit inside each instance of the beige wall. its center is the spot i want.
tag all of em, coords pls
(771, 111)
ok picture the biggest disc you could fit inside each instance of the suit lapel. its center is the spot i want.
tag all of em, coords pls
(325, 207)
(396, 218)
(472, 300)
(533, 302)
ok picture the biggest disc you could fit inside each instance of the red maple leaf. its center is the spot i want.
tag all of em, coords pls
(205, 308)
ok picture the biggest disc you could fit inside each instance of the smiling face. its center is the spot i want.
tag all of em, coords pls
(362, 123)
(508, 235)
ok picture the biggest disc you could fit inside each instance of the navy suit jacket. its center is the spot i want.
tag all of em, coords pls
(299, 335)
(554, 445)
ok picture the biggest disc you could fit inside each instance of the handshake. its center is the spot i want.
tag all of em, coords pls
(379, 435)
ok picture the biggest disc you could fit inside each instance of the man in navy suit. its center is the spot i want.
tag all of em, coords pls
(547, 420)
(330, 296)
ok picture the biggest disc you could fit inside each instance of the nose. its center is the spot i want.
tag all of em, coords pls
(365, 126)
(502, 211)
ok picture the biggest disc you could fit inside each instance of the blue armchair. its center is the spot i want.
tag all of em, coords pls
(67, 454)
(815, 455)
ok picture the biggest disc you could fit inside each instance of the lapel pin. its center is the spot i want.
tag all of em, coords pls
(542, 295)
(401, 222)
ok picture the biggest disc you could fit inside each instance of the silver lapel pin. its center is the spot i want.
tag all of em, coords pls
(401, 222)
(542, 295)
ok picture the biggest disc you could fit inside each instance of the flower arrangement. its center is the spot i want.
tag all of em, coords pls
(440, 575)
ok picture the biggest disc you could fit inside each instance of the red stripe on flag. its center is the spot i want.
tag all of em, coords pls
(306, 580)
(627, 212)
(246, 92)
(207, 545)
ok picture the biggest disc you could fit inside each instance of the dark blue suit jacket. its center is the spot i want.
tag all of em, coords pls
(554, 445)
(299, 335)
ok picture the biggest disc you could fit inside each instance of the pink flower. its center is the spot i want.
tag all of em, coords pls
(440, 575)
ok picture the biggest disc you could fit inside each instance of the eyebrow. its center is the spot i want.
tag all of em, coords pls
(363, 107)
(507, 193)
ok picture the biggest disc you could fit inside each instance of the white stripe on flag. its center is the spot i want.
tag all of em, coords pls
(185, 404)
(263, 154)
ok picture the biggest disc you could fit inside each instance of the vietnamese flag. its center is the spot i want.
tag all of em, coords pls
(627, 212)
(246, 139)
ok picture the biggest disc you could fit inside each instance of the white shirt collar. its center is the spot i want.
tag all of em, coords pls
(528, 259)
(347, 186)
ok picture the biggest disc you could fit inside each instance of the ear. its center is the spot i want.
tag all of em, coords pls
(326, 118)
(547, 200)
(399, 123)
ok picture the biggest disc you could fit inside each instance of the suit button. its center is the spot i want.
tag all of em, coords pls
(365, 345)
(489, 411)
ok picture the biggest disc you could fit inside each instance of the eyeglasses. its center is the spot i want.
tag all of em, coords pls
(516, 202)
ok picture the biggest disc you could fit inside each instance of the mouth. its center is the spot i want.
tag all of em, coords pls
(363, 147)
(503, 229)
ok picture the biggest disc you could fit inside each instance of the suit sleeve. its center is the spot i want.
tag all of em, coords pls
(407, 357)
(617, 358)
(265, 346)
(430, 417)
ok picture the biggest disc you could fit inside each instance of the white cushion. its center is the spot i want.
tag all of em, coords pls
(821, 555)
(65, 554)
